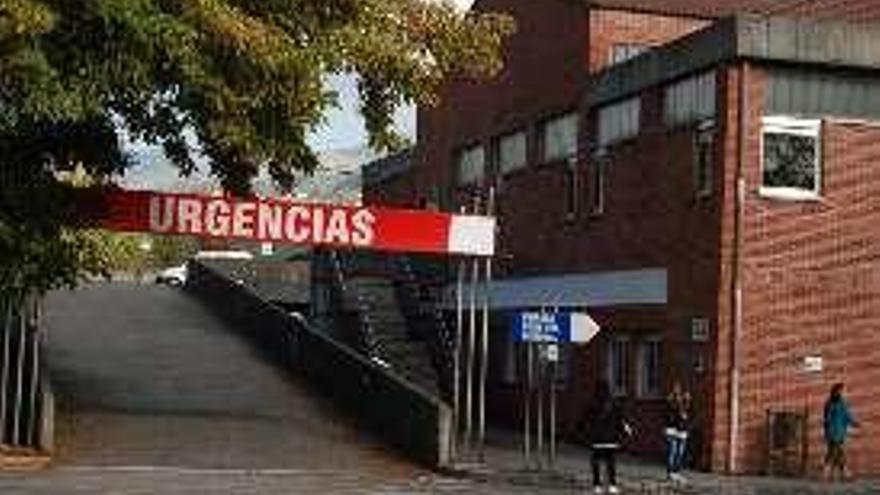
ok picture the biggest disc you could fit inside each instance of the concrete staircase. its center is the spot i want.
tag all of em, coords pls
(372, 289)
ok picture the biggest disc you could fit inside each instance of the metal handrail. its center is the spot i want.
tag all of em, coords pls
(367, 337)
(442, 340)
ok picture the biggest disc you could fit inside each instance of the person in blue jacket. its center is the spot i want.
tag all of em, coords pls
(837, 421)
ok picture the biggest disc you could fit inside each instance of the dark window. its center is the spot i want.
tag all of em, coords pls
(618, 365)
(704, 155)
(621, 52)
(597, 185)
(649, 368)
(572, 190)
(790, 156)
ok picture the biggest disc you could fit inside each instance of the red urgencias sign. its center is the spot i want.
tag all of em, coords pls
(282, 221)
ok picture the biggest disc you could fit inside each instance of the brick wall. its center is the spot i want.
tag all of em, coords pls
(545, 73)
(609, 27)
(811, 284)
(809, 270)
(662, 226)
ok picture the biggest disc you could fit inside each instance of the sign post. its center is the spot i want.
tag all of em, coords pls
(546, 331)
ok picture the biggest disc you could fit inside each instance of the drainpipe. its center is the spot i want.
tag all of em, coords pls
(736, 282)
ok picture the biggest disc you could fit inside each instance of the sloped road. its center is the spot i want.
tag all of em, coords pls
(153, 386)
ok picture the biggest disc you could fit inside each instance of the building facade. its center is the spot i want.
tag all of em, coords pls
(705, 187)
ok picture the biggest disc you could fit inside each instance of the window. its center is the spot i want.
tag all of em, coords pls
(511, 152)
(619, 121)
(690, 100)
(621, 52)
(704, 157)
(597, 184)
(649, 368)
(559, 137)
(618, 369)
(471, 165)
(821, 92)
(790, 157)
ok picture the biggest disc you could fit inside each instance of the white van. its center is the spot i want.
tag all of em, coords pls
(224, 255)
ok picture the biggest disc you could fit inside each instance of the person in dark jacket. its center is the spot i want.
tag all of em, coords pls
(837, 421)
(606, 429)
(676, 431)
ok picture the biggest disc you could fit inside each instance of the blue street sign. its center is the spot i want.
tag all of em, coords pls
(541, 327)
(533, 326)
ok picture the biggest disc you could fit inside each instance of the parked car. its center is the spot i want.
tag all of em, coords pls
(174, 276)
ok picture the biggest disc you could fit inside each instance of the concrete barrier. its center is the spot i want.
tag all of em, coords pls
(416, 422)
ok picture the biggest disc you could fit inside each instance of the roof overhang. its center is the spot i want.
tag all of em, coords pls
(579, 290)
(789, 40)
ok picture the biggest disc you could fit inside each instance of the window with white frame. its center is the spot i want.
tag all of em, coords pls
(619, 121)
(704, 158)
(790, 157)
(691, 100)
(559, 137)
(650, 380)
(621, 52)
(618, 365)
(471, 165)
(512, 152)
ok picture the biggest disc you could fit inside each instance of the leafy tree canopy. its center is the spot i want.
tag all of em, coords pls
(245, 78)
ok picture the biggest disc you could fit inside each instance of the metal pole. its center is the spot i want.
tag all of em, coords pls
(471, 348)
(553, 368)
(456, 357)
(19, 380)
(4, 376)
(542, 348)
(484, 358)
(528, 403)
(471, 355)
(33, 415)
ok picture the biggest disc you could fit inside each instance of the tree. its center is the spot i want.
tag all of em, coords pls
(241, 80)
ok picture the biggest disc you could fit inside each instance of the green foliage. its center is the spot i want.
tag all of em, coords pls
(245, 77)
(171, 251)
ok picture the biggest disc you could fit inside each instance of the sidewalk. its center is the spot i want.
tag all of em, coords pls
(504, 463)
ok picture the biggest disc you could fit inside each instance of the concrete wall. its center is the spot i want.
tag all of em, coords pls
(381, 401)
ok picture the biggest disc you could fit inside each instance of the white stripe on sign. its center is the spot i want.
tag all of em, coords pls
(472, 235)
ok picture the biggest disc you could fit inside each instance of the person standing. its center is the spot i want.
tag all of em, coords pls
(606, 430)
(837, 420)
(676, 431)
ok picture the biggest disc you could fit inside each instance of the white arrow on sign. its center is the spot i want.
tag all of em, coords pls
(583, 328)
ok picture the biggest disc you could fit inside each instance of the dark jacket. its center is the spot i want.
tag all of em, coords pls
(677, 416)
(605, 424)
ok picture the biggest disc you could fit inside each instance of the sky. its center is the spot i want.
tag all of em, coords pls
(344, 129)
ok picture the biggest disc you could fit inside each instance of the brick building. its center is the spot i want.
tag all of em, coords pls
(705, 186)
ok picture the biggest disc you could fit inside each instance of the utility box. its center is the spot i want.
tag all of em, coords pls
(787, 432)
